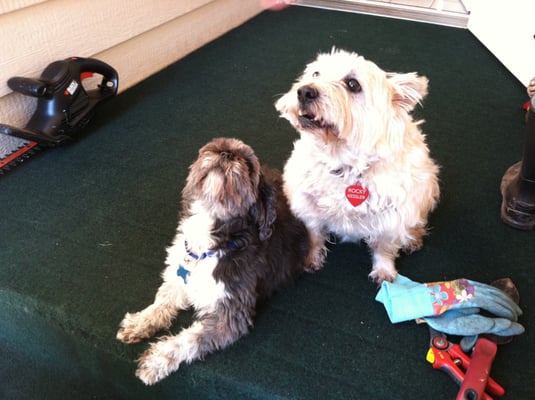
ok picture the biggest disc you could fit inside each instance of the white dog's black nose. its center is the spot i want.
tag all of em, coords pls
(306, 94)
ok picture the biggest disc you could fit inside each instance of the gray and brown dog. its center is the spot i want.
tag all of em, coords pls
(236, 244)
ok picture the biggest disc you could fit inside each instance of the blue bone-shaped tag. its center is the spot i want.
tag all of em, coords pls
(183, 273)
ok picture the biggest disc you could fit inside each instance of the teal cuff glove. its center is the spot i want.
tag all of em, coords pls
(406, 300)
(459, 323)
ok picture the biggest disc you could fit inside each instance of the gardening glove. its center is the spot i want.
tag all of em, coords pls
(468, 322)
(406, 300)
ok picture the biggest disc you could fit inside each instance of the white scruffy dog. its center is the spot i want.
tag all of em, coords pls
(361, 168)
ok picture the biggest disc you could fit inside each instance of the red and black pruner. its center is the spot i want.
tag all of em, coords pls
(470, 372)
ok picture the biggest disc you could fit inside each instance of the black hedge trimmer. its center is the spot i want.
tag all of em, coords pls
(65, 105)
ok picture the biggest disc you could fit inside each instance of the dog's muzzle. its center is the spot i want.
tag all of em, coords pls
(307, 94)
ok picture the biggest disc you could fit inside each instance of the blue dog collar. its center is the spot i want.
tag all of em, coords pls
(183, 272)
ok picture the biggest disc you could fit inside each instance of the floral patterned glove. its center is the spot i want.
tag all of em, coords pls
(406, 300)
(468, 322)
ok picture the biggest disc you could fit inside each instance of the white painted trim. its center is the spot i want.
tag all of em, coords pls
(385, 9)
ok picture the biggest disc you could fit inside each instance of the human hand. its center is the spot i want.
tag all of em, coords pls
(275, 5)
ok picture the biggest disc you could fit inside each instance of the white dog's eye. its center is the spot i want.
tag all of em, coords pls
(315, 74)
(353, 85)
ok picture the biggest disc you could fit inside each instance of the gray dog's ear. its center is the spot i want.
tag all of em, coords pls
(409, 89)
(264, 211)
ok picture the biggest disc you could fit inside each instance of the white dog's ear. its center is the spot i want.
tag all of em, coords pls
(409, 89)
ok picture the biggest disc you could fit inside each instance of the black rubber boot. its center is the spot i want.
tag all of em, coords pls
(518, 183)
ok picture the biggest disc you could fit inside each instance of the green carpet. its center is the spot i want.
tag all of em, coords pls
(84, 227)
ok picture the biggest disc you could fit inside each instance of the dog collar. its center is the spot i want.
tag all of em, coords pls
(209, 253)
(184, 272)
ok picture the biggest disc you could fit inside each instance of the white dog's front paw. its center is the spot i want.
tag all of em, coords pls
(316, 258)
(133, 329)
(383, 274)
(384, 254)
(313, 264)
(156, 363)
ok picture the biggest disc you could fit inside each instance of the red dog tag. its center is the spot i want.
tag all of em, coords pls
(356, 194)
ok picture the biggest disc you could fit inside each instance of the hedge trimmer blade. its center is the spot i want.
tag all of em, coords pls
(14, 151)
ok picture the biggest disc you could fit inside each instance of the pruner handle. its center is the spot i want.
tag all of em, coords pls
(476, 378)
